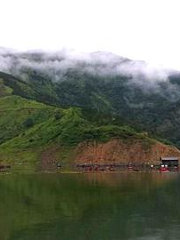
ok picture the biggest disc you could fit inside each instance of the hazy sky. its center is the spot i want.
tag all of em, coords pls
(138, 29)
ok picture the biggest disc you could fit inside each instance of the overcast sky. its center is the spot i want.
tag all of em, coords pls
(138, 29)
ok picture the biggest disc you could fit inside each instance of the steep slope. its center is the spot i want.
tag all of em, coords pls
(41, 91)
(105, 83)
(28, 128)
(18, 115)
(38, 136)
(4, 90)
(134, 151)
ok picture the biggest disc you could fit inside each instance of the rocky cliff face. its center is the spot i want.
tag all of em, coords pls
(119, 151)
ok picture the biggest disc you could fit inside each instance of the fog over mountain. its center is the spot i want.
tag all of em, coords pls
(98, 63)
(56, 65)
(142, 95)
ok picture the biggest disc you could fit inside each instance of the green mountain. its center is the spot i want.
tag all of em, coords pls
(154, 109)
(29, 128)
(47, 112)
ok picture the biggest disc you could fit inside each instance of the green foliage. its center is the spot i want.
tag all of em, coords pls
(94, 109)
(104, 133)
(28, 123)
(57, 115)
(27, 127)
(4, 90)
(153, 111)
(18, 114)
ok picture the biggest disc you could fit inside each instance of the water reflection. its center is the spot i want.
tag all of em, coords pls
(90, 206)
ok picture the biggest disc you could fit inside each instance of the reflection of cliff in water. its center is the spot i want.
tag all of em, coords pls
(134, 179)
(90, 206)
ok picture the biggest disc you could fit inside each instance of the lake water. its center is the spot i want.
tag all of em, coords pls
(88, 206)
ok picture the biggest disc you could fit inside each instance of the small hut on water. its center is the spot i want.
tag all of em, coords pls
(170, 161)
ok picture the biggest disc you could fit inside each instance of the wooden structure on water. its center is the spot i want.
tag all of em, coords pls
(170, 161)
(168, 164)
(115, 167)
(165, 164)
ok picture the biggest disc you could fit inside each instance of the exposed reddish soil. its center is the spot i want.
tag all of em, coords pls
(118, 151)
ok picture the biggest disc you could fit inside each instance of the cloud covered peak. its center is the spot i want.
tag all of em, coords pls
(57, 65)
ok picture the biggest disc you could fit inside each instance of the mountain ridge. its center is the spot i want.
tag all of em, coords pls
(37, 136)
(150, 109)
(84, 106)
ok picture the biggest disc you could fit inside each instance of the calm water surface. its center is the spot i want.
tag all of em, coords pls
(90, 206)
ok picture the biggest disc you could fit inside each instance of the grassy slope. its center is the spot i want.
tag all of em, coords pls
(149, 111)
(18, 116)
(28, 128)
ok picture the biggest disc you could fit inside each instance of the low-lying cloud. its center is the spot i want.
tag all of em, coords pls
(56, 65)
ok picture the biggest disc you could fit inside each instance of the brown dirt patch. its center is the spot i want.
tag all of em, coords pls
(49, 159)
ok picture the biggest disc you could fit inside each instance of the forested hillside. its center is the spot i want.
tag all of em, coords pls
(52, 104)
(147, 107)
(29, 128)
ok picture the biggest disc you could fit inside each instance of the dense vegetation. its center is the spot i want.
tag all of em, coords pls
(28, 128)
(37, 111)
(153, 110)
